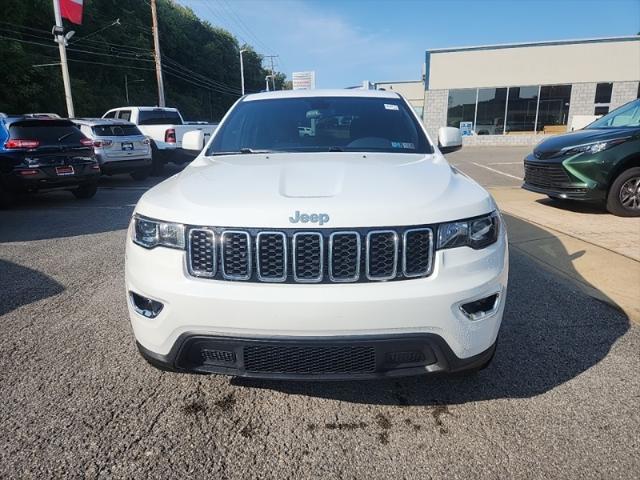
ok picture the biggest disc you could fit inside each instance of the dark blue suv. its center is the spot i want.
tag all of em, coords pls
(38, 154)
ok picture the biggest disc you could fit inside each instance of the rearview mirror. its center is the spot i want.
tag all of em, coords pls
(449, 139)
(193, 140)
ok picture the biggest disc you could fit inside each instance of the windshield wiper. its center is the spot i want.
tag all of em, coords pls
(336, 149)
(65, 136)
(245, 151)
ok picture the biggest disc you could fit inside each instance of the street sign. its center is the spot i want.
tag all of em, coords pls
(303, 80)
(466, 129)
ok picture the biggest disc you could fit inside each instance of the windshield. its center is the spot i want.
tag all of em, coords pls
(625, 116)
(321, 124)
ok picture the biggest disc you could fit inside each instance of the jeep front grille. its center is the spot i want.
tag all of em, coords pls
(320, 256)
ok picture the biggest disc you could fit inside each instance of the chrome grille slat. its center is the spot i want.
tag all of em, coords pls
(201, 248)
(382, 255)
(271, 256)
(308, 257)
(320, 256)
(417, 252)
(344, 256)
(235, 250)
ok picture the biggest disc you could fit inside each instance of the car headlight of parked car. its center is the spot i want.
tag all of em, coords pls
(150, 233)
(479, 232)
(593, 148)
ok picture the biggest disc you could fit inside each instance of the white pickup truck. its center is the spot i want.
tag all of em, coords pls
(165, 127)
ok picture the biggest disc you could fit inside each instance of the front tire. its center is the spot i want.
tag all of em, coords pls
(86, 191)
(623, 199)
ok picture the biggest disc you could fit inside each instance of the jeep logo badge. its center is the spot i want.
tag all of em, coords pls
(319, 218)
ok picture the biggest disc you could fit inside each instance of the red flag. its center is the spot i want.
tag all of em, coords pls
(72, 10)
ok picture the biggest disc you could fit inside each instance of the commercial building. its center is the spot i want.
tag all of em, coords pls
(517, 93)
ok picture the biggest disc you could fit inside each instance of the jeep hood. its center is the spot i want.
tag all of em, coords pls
(354, 189)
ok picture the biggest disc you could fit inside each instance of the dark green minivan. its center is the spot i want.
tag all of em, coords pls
(600, 163)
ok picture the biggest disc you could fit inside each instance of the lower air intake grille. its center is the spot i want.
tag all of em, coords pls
(309, 359)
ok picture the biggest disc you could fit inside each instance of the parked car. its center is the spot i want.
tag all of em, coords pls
(118, 145)
(600, 163)
(39, 154)
(356, 252)
(165, 128)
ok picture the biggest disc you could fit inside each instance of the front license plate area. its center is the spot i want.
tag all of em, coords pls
(65, 170)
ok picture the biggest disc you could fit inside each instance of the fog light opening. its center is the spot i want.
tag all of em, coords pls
(481, 308)
(145, 306)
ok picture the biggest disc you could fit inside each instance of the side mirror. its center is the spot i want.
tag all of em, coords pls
(449, 139)
(193, 140)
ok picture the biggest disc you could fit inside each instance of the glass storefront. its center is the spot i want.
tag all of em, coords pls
(513, 110)
(490, 111)
(461, 107)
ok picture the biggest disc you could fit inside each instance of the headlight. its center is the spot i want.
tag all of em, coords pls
(593, 148)
(476, 233)
(150, 233)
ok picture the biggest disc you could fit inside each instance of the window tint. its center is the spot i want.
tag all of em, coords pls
(603, 92)
(491, 109)
(115, 130)
(124, 115)
(554, 106)
(158, 117)
(47, 132)
(461, 107)
(322, 123)
(521, 109)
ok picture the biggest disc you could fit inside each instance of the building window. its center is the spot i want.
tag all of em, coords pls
(521, 109)
(461, 107)
(553, 112)
(603, 98)
(492, 103)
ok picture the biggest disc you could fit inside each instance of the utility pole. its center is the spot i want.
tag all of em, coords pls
(242, 71)
(156, 46)
(273, 77)
(58, 32)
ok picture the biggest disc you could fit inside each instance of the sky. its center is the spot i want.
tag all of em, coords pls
(349, 41)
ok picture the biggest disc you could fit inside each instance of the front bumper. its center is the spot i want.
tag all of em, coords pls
(316, 358)
(561, 178)
(236, 311)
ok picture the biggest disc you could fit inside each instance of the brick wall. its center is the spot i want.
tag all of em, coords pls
(622, 93)
(504, 140)
(435, 111)
(583, 96)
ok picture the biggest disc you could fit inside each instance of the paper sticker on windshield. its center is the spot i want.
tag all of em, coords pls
(407, 145)
(391, 106)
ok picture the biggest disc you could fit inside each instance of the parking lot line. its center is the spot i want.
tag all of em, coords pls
(505, 163)
(496, 171)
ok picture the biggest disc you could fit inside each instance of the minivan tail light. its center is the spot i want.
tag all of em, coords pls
(170, 135)
(102, 143)
(86, 142)
(19, 143)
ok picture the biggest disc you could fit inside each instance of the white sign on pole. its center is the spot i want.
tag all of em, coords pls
(303, 80)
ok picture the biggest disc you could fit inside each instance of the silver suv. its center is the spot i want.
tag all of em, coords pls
(118, 145)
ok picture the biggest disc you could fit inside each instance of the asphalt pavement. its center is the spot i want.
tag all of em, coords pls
(76, 400)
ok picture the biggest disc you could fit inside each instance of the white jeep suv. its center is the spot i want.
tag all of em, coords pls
(319, 235)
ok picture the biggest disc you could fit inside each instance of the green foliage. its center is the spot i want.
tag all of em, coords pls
(200, 62)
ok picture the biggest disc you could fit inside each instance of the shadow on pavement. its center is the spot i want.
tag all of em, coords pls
(574, 206)
(59, 214)
(551, 333)
(21, 286)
